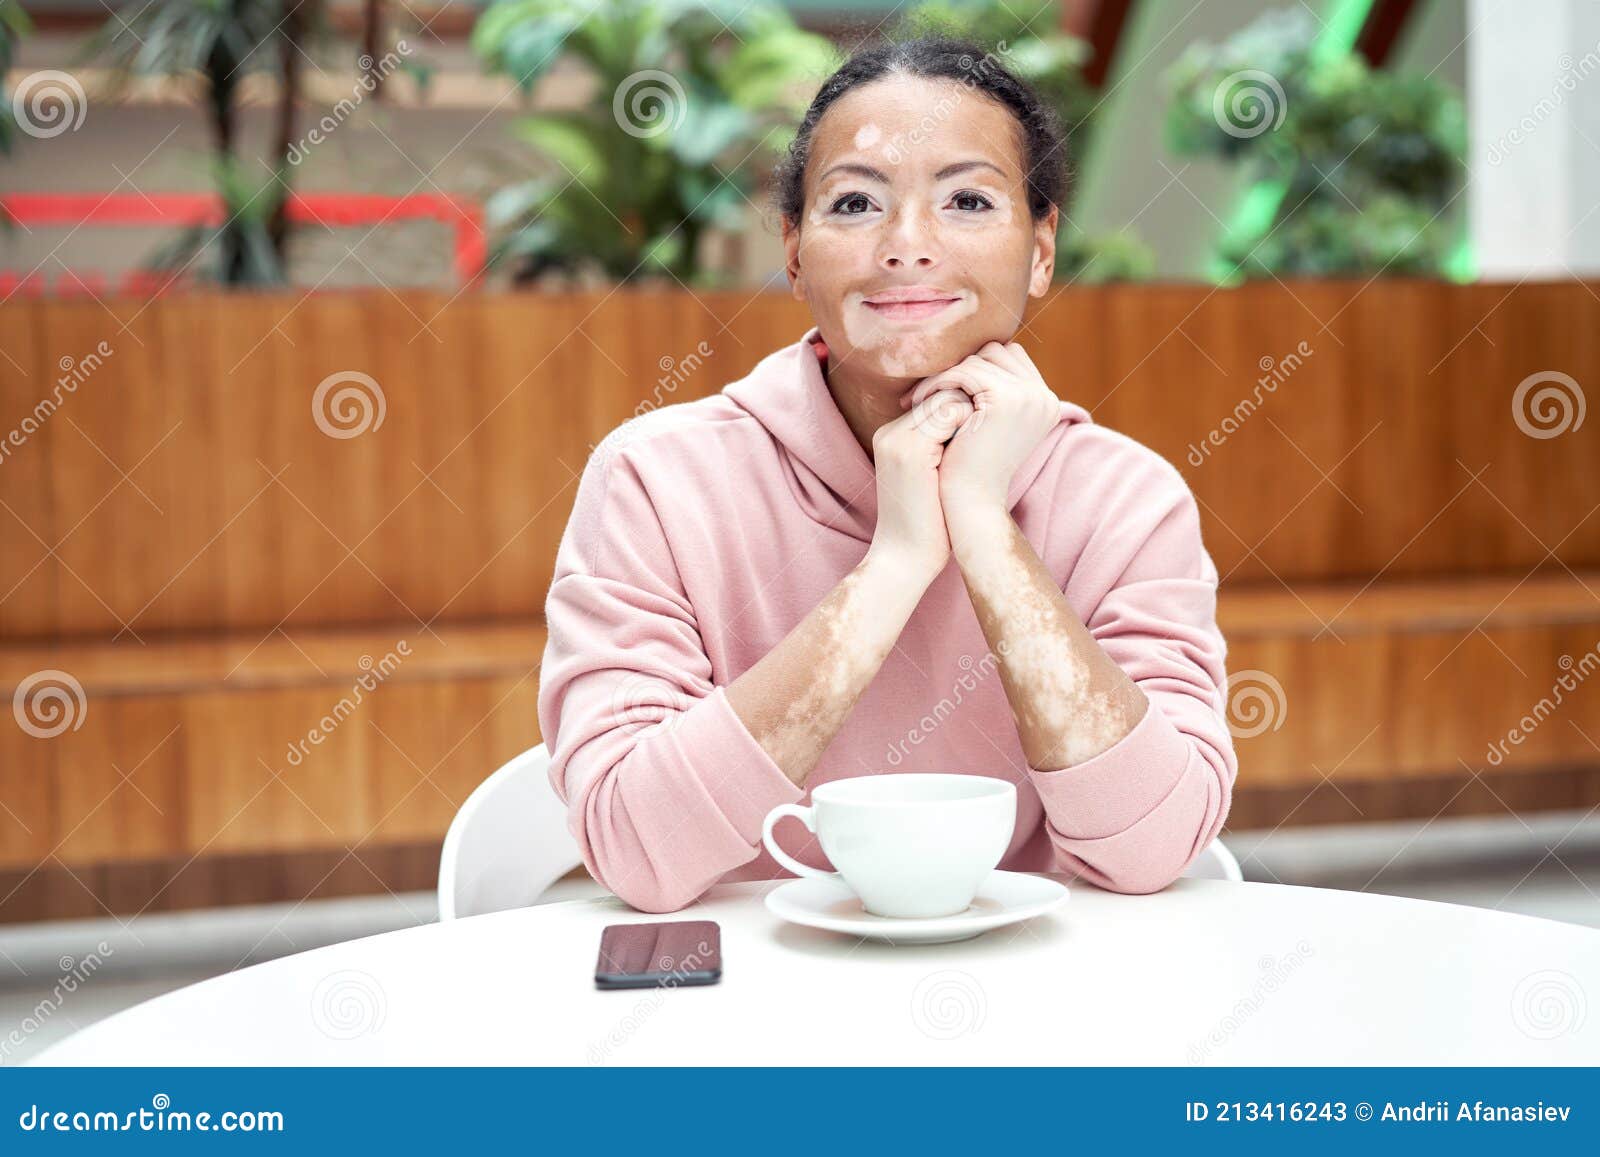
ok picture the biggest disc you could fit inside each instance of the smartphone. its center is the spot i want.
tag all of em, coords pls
(669, 954)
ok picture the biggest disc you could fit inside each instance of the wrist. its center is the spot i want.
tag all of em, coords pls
(898, 568)
(974, 521)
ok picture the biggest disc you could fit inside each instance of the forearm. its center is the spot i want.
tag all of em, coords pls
(797, 697)
(1070, 700)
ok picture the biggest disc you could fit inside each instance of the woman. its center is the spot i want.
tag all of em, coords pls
(819, 572)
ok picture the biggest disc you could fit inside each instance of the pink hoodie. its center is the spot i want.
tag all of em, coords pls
(703, 532)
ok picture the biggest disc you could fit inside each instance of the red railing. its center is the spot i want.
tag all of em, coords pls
(185, 210)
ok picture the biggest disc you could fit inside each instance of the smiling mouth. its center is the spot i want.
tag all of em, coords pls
(910, 310)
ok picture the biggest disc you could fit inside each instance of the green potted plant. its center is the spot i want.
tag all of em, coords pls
(1355, 168)
(14, 25)
(218, 43)
(689, 100)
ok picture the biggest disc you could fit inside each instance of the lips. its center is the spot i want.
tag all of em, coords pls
(910, 302)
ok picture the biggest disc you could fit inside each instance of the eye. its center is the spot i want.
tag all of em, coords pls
(852, 198)
(967, 195)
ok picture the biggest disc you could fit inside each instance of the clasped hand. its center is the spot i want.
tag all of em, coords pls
(1012, 410)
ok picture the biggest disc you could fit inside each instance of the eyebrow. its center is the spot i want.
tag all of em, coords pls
(878, 175)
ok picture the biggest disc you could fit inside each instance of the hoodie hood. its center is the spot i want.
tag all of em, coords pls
(830, 473)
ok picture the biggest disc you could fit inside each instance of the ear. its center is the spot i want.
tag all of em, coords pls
(791, 257)
(1044, 253)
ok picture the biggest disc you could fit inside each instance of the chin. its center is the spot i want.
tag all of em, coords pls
(917, 355)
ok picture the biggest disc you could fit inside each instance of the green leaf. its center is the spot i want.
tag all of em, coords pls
(709, 127)
(572, 141)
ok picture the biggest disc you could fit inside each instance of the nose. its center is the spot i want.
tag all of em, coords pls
(908, 241)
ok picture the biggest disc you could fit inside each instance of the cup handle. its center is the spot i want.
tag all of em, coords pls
(806, 816)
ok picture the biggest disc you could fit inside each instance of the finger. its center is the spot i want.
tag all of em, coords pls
(970, 375)
(1003, 355)
(1024, 362)
(943, 380)
(941, 414)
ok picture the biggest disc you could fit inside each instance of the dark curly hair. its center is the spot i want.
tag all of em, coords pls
(937, 58)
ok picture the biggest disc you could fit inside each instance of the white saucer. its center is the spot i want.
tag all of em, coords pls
(1005, 898)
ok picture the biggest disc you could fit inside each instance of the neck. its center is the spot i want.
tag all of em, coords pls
(866, 401)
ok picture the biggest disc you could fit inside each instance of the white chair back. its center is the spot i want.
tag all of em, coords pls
(508, 843)
(1215, 863)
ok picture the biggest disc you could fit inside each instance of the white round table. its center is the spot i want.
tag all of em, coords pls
(1205, 972)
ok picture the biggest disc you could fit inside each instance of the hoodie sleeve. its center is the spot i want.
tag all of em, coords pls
(1132, 818)
(666, 789)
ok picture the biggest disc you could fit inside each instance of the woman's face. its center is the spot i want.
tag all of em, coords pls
(916, 186)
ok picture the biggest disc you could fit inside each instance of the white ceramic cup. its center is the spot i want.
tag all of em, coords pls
(914, 844)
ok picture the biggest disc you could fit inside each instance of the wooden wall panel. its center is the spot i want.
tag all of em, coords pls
(221, 562)
(1390, 449)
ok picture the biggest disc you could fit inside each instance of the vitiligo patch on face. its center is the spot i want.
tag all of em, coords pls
(868, 135)
(903, 350)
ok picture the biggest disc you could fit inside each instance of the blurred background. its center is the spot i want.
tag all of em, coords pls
(311, 312)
